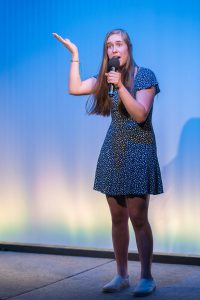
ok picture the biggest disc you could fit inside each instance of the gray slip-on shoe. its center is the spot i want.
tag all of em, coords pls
(144, 287)
(116, 284)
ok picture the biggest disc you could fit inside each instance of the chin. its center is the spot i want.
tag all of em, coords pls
(122, 65)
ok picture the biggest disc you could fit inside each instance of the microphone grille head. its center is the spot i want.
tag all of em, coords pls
(113, 62)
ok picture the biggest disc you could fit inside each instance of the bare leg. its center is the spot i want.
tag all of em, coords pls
(120, 232)
(138, 212)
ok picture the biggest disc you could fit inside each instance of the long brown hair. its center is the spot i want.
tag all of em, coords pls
(100, 101)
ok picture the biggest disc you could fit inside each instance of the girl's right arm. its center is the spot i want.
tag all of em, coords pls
(75, 85)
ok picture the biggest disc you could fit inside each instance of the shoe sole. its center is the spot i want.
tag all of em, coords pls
(142, 294)
(110, 290)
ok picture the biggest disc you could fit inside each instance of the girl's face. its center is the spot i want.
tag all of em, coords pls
(117, 47)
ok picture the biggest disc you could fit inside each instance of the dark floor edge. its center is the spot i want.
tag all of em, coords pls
(97, 253)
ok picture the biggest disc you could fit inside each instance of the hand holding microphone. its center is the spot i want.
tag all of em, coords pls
(113, 77)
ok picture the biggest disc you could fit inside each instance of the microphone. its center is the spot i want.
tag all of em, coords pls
(113, 65)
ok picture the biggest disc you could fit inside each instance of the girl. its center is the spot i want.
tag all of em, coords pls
(127, 170)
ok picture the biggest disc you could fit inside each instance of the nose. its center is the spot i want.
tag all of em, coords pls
(114, 49)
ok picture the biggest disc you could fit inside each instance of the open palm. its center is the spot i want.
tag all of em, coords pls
(67, 43)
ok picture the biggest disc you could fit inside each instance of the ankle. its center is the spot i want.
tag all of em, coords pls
(147, 277)
(123, 275)
(122, 271)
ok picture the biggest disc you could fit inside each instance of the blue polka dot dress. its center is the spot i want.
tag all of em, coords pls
(128, 163)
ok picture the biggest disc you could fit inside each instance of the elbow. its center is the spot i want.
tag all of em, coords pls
(73, 92)
(73, 89)
(141, 118)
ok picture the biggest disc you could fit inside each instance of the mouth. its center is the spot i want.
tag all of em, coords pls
(117, 56)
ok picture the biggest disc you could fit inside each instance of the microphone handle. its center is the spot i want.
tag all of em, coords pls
(111, 86)
(111, 89)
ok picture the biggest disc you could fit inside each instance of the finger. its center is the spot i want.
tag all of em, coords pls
(58, 37)
(113, 72)
(112, 78)
(109, 80)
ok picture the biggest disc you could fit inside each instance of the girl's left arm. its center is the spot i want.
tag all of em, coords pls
(138, 107)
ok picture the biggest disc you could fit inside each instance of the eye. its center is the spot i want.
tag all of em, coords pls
(109, 46)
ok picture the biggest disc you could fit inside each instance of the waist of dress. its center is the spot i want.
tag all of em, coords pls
(130, 124)
(132, 132)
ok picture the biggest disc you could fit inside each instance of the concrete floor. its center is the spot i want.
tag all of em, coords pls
(55, 277)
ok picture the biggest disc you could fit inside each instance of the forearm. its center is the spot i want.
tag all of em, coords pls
(74, 82)
(135, 109)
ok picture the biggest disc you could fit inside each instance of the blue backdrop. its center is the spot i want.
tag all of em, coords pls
(49, 146)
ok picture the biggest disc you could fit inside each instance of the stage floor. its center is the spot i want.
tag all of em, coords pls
(56, 277)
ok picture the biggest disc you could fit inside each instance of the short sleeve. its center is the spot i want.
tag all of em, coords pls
(95, 76)
(146, 79)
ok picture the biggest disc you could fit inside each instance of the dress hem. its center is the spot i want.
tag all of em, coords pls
(129, 193)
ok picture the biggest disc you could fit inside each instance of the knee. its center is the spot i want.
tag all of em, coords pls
(139, 221)
(119, 219)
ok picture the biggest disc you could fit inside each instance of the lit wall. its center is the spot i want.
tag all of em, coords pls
(49, 146)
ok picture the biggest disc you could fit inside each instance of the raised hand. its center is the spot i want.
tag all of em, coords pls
(67, 43)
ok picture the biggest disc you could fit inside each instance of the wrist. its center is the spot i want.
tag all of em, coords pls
(75, 57)
(121, 87)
